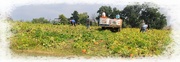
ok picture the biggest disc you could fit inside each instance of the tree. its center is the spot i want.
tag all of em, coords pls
(106, 9)
(40, 20)
(133, 14)
(154, 18)
(63, 19)
(75, 16)
(114, 13)
(82, 18)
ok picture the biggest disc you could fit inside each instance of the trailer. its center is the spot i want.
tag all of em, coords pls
(112, 24)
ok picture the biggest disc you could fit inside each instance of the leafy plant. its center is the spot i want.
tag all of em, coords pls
(80, 41)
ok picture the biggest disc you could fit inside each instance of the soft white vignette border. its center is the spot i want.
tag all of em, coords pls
(7, 6)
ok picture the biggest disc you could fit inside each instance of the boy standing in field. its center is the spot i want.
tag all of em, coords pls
(88, 23)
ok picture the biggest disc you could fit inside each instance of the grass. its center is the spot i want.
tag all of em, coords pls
(65, 40)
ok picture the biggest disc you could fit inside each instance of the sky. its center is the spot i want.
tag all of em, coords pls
(51, 11)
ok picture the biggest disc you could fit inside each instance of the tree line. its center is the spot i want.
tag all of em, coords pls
(132, 16)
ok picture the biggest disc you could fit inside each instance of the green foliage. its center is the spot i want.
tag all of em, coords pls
(63, 19)
(114, 13)
(56, 22)
(154, 18)
(106, 9)
(133, 14)
(75, 16)
(40, 20)
(69, 40)
(110, 12)
(82, 18)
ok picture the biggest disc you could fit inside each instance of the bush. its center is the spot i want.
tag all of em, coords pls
(40, 20)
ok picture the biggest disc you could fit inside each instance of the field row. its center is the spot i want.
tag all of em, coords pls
(65, 40)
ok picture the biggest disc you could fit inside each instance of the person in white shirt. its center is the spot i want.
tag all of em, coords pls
(143, 27)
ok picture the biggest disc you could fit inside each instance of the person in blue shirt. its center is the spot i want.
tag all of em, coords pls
(73, 22)
(117, 16)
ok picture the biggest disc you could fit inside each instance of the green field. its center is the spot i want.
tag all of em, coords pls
(66, 40)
